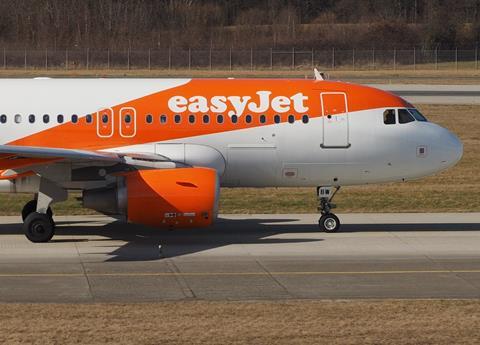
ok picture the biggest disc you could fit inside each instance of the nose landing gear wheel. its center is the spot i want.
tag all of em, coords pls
(38, 227)
(329, 223)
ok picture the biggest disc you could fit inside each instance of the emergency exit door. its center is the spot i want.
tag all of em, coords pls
(128, 122)
(105, 126)
(335, 120)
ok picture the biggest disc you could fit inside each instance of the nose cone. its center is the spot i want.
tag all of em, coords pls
(451, 147)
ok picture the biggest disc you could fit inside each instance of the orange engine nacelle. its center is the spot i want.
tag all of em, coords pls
(183, 197)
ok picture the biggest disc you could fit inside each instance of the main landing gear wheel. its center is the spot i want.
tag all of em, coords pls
(31, 207)
(329, 223)
(38, 227)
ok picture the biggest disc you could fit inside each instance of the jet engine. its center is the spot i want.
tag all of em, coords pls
(182, 197)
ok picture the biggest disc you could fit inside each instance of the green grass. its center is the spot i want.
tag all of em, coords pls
(11, 204)
(410, 197)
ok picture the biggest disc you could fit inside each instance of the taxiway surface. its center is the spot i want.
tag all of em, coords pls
(245, 257)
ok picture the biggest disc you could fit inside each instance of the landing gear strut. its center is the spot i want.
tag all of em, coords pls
(328, 222)
(31, 207)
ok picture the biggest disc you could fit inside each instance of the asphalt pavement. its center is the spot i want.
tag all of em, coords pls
(245, 257)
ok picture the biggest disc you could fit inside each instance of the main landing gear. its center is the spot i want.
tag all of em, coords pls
(38, 224)
(31, 207)
(38, 227)
(328, 222)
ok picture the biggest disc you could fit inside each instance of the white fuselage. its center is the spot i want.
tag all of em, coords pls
(361, 148)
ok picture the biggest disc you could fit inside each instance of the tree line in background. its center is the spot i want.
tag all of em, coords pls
(322, 24)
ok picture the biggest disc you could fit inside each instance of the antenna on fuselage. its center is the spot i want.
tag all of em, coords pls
(318, 75)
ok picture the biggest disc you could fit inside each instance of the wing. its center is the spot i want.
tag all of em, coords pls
(57, 153)
(21, 158)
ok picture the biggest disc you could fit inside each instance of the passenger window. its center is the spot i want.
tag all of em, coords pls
(46, 118)
(18, 118)
(305, 118)
(89, 118)
(404, 116)
(104, 118)
(234, 118)
(219, 118)
(163, 119)
(148, 118)
(389, 117)
(248, 118)
(128, 118)
(291, 119)
(31, 118)
(276, 119)
(74, 118)
(60, 118)
(178, 118)
(206, 118)
(263, 119)
(191, 118)
(3, 118)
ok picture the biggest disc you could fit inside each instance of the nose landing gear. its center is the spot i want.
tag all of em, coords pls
(328, 222)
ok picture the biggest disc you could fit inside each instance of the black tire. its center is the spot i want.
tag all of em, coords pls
(30, 207)
(329, 223)
(38, 227)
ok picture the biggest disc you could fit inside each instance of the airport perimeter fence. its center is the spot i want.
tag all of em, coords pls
(241, 59)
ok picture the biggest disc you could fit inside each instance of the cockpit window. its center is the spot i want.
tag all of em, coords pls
(417, 115)
(404, 116)
(389, 117)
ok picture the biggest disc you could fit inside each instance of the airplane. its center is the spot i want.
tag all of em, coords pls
(157, 151)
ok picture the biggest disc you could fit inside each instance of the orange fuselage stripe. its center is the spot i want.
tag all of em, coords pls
(83, 135)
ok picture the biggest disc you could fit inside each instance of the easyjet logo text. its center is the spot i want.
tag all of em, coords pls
(238, 105)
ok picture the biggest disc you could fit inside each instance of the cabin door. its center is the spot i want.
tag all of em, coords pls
(335, 120)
